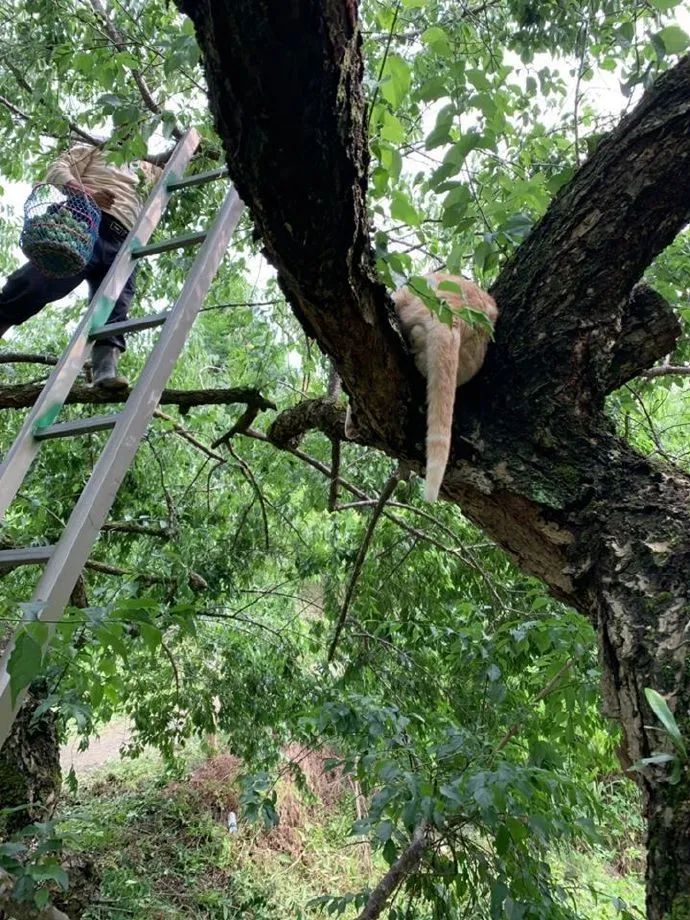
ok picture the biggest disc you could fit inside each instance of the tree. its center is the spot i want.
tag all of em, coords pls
(536, 462)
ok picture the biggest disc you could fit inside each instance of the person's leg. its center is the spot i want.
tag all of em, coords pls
(107, 351)
(27, 291)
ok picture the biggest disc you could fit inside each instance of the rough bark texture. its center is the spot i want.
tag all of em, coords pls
(29, 769)
(24, 395)
(535, 461)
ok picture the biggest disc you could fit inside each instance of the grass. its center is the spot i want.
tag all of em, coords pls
(600, 892)
(162, 851)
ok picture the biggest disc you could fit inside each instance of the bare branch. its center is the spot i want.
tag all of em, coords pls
(365, 501)
(138, 530)
(188, 436)
(195, 581)
(23, 395)
(322, 414)
(251, 479)
(386, 493)
(335, 473)
(667, 370)
(18, 357)
(26, 86)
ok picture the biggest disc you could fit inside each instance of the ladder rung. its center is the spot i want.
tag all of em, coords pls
(176, 242)
(199, 179)
(131, 325)
(79, 426)
(25, 555)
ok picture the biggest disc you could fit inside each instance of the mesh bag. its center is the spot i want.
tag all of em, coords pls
(60, 230)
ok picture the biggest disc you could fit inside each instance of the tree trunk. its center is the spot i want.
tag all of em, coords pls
(30, 773)
(535, 461)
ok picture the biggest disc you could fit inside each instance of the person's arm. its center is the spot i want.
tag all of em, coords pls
(70, 166)
(69, 169)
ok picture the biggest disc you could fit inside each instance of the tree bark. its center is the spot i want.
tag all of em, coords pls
(30, 776)
(535, 460)
(24, 395)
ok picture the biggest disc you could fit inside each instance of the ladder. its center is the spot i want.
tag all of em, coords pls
(65, 560)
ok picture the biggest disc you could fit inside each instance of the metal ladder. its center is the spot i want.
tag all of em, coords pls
(66, 559)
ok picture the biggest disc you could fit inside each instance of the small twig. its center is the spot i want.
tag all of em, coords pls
(170, 504)
(195, 581)
(176, 673)
(652, 430)
(335, 475)
(582, 35)
(365, 500)
(383, 61)
(188, 436)
(251, 479)
(25, 85)
(386, 493)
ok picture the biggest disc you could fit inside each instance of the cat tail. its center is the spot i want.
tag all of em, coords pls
(443, 347)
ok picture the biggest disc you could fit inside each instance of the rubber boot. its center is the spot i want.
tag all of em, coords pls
(104, 361)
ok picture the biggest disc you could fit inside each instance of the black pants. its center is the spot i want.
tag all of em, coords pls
(27, 291)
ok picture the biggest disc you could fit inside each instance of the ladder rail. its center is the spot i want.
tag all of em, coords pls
(21, 454)
(71, 552)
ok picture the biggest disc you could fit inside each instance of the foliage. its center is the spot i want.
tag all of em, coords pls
(461, 695)
(31, 859)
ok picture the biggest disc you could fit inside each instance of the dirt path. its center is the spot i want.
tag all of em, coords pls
(102, 750)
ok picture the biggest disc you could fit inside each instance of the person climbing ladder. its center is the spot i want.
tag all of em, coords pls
(115, 189)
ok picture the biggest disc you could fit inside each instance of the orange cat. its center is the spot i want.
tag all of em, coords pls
(447, 356)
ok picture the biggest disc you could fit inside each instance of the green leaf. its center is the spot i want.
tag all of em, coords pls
(433, 88)
(478, 79)
(437, 39)
(664, 5)
(151, 635)
(396, 79)
(674, 39)
(403, 209)
(441, 132)
(392, 129)
(49, 872)
(25, 662)
(659, 707)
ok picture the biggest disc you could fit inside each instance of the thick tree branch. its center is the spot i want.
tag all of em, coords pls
(18, 357)
(406, 863)
(23, 395)
(649, 331)
(564, 294)
(322, 414)
(667, 370)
